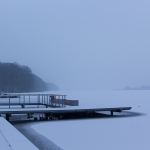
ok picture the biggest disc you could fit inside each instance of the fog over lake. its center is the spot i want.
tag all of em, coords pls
(79, 44)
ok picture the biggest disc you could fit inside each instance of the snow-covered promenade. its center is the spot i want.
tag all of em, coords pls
(12, 139)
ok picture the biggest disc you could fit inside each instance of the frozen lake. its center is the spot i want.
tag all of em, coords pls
(124, 132)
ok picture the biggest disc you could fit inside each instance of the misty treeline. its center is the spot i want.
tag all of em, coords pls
(17, 78)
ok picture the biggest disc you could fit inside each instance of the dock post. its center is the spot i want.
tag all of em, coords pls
(111, 113)
(46, 116)
(7, 117)
(23, 105)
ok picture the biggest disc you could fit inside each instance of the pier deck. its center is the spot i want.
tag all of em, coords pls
(55, 106)
(59, 112)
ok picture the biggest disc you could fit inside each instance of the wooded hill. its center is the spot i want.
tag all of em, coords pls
(17, 78)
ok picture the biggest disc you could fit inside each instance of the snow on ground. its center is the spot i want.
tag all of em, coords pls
(12, 139)
(4, 145)
(123, 132)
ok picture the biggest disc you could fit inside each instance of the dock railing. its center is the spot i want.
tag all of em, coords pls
(48, 100)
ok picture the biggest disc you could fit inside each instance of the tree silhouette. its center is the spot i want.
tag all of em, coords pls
(17, 78)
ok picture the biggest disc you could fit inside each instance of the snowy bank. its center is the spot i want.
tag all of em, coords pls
(11, 138)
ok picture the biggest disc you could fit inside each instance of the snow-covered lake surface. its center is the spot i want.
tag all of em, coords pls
(126, 132)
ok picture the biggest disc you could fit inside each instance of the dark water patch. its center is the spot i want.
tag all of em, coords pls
(37, 139)
(43, 143)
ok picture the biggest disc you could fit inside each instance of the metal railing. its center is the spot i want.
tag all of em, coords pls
(48, 100)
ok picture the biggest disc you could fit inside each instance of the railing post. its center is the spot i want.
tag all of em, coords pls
(47, 99)
(55, 101)
(59, 101)
(38, 101)
(44, 98)
(24, 99)
(29, 98)
(9, 101)
(64, 103)
(19, 98)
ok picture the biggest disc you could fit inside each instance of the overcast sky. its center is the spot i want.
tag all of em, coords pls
(79, 44)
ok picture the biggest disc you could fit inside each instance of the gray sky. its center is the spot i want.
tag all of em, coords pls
(79, 44)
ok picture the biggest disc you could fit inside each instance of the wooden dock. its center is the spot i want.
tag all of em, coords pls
(61, 112)
(54, 106)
